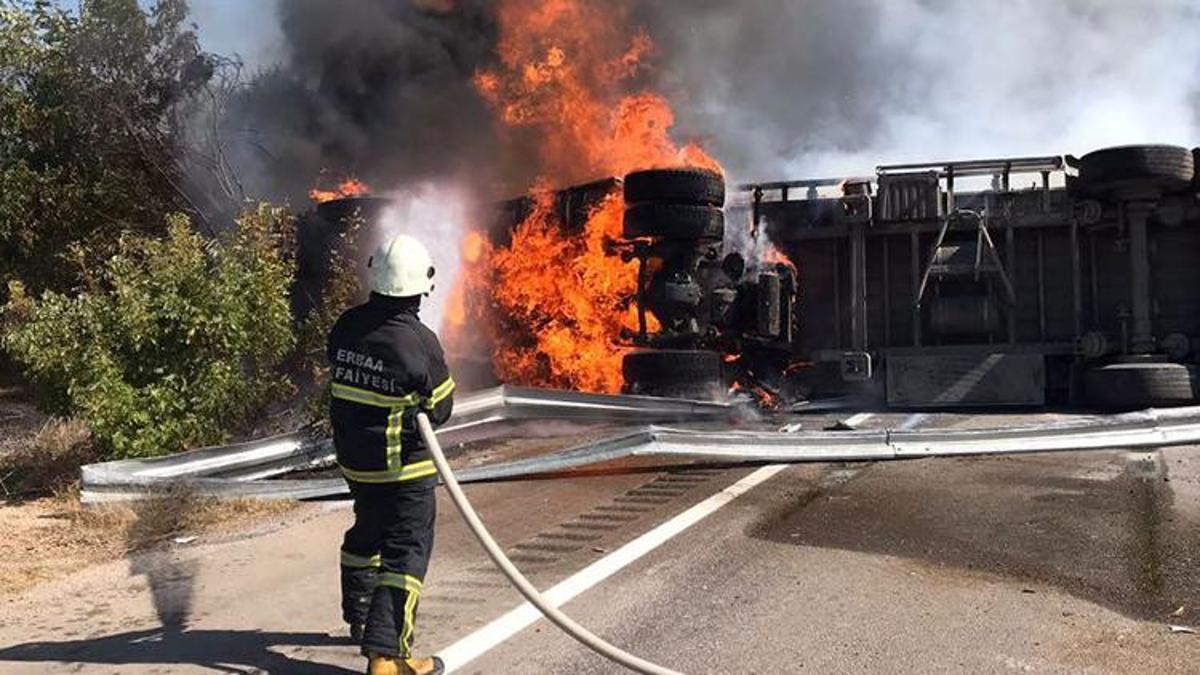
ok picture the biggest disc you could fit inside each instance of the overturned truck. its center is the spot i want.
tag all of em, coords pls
(1014, 281)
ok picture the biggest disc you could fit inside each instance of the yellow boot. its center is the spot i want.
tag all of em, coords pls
(426, 666)
(386, 665)
(390, 665)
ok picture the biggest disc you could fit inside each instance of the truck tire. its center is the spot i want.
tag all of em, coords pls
(674, 221)
(1134, 386)
(1132, 168)
(679, 373)
(676, 186)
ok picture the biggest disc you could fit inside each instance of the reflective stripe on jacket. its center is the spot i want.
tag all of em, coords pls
(385, 365)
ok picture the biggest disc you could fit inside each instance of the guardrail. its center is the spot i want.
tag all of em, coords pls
(1148, 429)
(239, 470)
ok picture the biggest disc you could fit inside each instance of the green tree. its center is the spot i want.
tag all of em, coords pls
(177, 340)
(91, 108)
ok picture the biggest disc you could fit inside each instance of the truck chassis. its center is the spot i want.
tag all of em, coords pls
(1082, 287)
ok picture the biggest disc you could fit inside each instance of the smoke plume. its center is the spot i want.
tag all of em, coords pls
(376, 88)
(774, 88)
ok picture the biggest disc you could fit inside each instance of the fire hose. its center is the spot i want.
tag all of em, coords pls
(518, 580)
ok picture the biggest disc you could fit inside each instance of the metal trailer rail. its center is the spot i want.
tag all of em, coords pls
(235, 470)
(961, 169)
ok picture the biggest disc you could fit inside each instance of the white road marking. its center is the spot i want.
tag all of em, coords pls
(483, 640)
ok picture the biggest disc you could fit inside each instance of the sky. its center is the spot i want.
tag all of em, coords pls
(223, 23)
(223, 27)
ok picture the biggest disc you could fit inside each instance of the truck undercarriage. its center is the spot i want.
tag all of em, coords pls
(926, 287)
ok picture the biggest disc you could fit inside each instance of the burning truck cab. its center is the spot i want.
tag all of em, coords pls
(705, 317)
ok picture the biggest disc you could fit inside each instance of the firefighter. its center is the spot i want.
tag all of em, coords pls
(385, 367)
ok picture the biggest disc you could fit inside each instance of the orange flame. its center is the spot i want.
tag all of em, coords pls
(797, 366)
(571, 297)
(766, 398)
(771, 256)
(350, 187)
(470, 301)
(566, 69)
(474, 247)
(566, 75)
(763, 396)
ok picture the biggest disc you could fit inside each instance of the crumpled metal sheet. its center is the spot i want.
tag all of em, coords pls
(233, 471)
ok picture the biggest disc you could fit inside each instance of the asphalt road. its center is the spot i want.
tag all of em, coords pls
(1052, 563)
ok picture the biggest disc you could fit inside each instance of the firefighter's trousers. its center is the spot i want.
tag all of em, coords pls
(385, 555)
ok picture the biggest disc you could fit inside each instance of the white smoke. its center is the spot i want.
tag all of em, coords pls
(785, 89)
(437, 214)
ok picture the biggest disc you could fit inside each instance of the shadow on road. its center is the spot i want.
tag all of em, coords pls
(171, 575)
(227, 651)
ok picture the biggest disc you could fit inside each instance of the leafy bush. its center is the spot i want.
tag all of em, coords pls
(174, 341)
(341, 290)
(92, 101)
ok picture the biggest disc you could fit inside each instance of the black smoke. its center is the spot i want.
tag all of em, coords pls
(376, 88)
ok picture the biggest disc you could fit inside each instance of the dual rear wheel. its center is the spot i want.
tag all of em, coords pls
(684, 206)
(1134, 384)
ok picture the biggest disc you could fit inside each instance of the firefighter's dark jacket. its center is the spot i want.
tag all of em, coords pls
(385, 366)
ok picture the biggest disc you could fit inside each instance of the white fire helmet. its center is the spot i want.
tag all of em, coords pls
(401, 267)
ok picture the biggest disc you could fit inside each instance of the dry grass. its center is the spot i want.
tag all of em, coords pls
(47, 533)
(50, 537)
(181, 512)
(48, 462)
